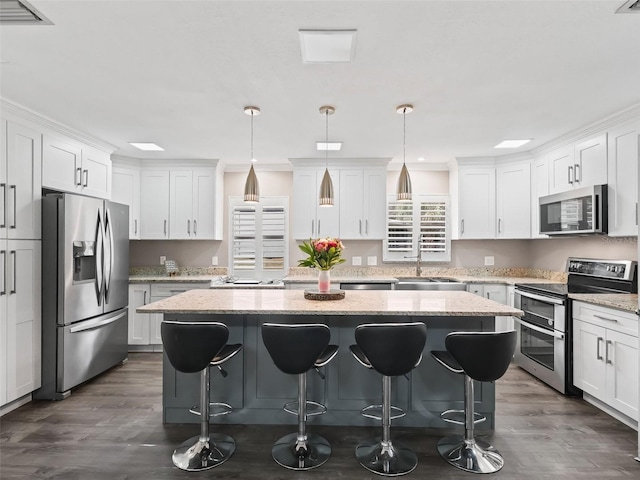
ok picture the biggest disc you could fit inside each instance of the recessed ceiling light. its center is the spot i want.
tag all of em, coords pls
(147, 146)
(330, 146)
(512, 143)
(421, 159)
(327, 46)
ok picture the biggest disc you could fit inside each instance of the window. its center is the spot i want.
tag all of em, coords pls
(421, 225)
(258, 246)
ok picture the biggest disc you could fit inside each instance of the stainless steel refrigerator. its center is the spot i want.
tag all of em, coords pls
(85, 290)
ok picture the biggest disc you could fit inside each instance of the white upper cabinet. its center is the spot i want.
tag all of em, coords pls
(71, 167)
(513, 200)
(579, 165)
(125, 189)
(309, 220)
(362, 203)
(20, 181)
(154, 204)
(622, 164)
(181, 204)
(539, 188)
(477, 202)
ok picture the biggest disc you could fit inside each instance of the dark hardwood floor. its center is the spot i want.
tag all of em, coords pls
(111, 429)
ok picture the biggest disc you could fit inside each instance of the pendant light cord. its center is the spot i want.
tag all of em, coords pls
(251, 159)
(326, 139)
(404, 135)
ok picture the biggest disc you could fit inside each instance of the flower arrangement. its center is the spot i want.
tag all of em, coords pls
(324, 253)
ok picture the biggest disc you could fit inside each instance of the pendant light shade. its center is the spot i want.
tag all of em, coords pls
(403, 192)
(326, 187)
(251, 187)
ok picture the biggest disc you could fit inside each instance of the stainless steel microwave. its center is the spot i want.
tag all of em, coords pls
(580, 211)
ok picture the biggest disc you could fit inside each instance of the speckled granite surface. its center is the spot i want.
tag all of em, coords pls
(182, 271)
(255, 301)
(619, 301)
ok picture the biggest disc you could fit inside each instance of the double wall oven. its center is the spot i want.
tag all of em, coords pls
(545, 336)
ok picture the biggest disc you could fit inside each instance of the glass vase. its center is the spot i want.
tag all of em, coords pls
(324, 281)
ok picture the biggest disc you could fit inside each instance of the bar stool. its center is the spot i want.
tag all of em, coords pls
(193, 347)
(484, 357)
(296, 349)
(392, 349)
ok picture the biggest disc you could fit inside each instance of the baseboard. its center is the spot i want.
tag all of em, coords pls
(10, 407)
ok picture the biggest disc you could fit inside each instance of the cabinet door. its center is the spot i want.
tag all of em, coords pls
(181, 204)
(155, 333)
(351, 204)
(126, 189)
(204, 198)
(61, 165)
(3, 322)
(497, 293)
(328, 218)
(154, 204)
(23, 188)
(539, 188)
(96, 173)
(139, 295)
(305, 201)
(476, 289)
(588, 358)
(375, 191)
(622, 162)
(621, 357)
(561, 166)
(477, 202)
(590, 166)
(513, 200)
(23, 331)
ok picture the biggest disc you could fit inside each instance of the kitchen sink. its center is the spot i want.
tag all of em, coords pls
(429, 283)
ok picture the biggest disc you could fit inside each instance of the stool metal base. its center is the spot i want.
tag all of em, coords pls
(386, 459)
(474, 456)
(195, 455)
(284, 452)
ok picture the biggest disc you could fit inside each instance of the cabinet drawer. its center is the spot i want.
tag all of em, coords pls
(170, 289)
(617, 320)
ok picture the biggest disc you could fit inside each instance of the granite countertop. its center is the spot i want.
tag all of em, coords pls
(173, 279)
(294, 279)
(401, 303)
(340, 279)
(504, 280)
(620, 301)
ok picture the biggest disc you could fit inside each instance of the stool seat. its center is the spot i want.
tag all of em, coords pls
(391, 349)
(194, 347)
(295, 349)
(480, 356)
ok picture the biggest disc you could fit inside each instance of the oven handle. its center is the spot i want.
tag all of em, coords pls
(551, 333)
(542, 298)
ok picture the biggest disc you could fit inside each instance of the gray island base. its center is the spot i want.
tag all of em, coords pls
(257, 390)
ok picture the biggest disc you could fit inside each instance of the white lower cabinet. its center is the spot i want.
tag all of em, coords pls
(144, 328)
(498, 293)
(605, 359)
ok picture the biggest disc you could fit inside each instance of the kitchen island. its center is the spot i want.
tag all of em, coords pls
(257, 390)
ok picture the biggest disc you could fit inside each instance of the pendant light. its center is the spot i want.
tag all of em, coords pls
(326, 187)
(251, 187)
(404, 181)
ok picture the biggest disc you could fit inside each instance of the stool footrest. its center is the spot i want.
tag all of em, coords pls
(313, 408)
(375, 412)
(215, 409)
(458, 417)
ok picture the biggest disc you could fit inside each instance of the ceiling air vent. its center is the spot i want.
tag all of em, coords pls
(630, 6)
(19, 12)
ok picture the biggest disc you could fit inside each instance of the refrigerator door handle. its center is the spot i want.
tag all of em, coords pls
(99, 258)
(97, 323)
(108, 258)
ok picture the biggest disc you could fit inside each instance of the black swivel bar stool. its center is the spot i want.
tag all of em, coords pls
(296, 349)
(392, 349)
(193, 347)
(481, 356)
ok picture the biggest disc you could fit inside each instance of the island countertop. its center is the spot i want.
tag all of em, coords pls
(392, 302)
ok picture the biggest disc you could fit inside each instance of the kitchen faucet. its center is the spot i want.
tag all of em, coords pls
(418, 263)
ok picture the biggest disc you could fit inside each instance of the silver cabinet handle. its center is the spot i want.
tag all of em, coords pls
(15, 199)
(188, 227)
(86, 178)
(499, 225)
(195, 227)
(312, 230)
(144, 297)
(606, 352)
(4, 272)
(489, 295)
(366, 227)
(570, 172)
(578, 173)
(165, 228)
(598, 356)
(4, 205)
(135, 226)
(78, 182)
(318, 227)
(360, 228)
(15, 268)
(462, 226)
(605, 318)
(178, 290)
(636, 213)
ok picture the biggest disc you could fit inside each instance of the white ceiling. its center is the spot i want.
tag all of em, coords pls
(178, 73)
